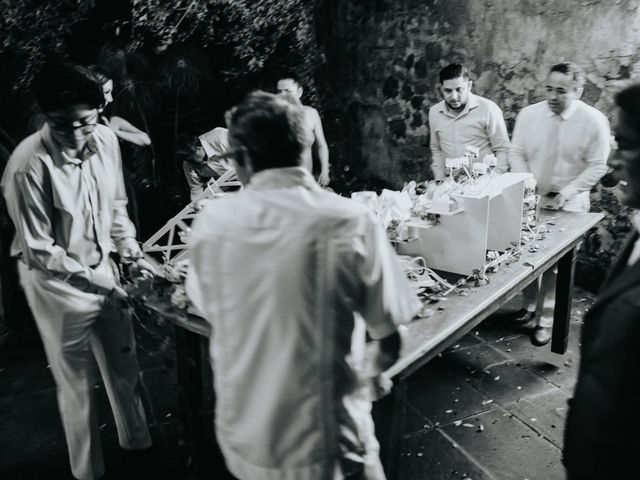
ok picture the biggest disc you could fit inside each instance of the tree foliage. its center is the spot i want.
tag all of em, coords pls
(31, 31)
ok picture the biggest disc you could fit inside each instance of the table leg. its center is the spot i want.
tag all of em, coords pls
(388, 415)
(562, 311)
(190, 394)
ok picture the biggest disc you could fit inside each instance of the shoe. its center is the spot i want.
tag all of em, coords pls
(541, 336)
(523, 316)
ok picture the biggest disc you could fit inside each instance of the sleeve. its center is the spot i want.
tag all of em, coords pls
(123, 231)
(498, 136)
(595, 160)
(437, 156)
(193, 180)
(194, 281)
(517, 153)
(31, 212)
(388, 299)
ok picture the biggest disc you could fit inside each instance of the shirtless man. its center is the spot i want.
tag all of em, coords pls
(316, 145)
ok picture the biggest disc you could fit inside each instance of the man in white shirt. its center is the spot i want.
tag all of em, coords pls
(291, 277)
(463, 119)
(65, 194)
(565, 144)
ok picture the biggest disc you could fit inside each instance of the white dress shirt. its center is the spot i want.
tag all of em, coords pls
(285, 272)
(480, 124)
(566, 153)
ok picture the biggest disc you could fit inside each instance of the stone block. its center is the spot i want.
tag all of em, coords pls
(432, 455)
(506, 447)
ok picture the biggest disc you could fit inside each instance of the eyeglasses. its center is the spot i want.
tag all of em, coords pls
(64, 124)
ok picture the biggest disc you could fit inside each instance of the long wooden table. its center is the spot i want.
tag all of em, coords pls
(427, 337)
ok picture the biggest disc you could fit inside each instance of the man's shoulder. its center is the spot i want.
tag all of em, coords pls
(438, 107)
(590, 112)
(533, 110)
(488, 104)
(27, 154)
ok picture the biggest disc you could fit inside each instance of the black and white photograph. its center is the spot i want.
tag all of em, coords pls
(319, 239)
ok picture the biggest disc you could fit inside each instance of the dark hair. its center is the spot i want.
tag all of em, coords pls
(100, 74)
(628, 101)
(572, 70)
(185, 145)
(270, 128)
(453, 70)
(61, 85)
(292, 78)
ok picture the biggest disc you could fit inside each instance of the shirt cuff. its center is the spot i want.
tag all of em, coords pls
(101, 282)
(568, 192)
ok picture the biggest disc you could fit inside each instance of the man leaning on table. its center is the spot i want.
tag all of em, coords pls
(565, 144)
(464, 119)
(290, 278)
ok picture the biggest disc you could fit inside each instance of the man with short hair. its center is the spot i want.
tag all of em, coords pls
(601, 435)
(291, 277)
(463, 119)
(65, 194)
(315, 144)
(565, 144)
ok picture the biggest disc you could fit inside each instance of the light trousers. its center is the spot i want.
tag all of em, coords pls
(540, 296)
(76, 326)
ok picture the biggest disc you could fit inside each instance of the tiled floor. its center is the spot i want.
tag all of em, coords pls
(491, 407)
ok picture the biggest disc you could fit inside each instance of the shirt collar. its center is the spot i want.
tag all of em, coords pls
(55, 150)
(275, 178)
(472, 103)
(566, 115)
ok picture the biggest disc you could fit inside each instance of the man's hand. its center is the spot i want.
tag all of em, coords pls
(130, 255)
(323, 179)
(144, 264)
(118, 293)
(552, 202)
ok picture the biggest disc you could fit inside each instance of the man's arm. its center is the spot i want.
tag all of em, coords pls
(32, 214)
(437, 156)
(122, 231)
(498, 137)
(596, 156)
(517, 153)
(321, 149)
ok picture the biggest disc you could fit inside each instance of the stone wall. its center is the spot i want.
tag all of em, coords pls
(383, 59)
(381, 73)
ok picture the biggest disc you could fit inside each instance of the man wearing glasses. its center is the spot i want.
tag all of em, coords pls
(64, 191)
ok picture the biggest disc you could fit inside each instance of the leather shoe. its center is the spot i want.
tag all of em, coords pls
(523, 316)
(541, 336)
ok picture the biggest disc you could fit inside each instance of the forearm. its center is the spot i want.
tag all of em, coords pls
(437, 163)
(585, 181)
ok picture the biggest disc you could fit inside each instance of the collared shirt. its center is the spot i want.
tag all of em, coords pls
(285, 272)
(68, 211)
(576, 154)
(480, 124)
(216, 142)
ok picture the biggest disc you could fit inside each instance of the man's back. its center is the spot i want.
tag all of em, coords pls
(296, 262)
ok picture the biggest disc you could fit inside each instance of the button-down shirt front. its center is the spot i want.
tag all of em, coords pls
(480, 124)
(285, 272)
(68, 211)
(578, 160)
